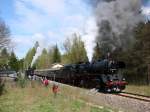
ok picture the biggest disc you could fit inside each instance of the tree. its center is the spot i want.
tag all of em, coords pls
(43, 60)
(4, 52)
(97, 53)
(4, 57)
(74, 50)
(4, 35)
(29, 57)
(21, 64)
(138, 57)
(13, 62)
(56, 57)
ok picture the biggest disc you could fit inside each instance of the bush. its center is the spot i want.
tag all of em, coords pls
(22, 81)
(2, 86)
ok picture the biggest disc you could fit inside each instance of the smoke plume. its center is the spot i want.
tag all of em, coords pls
(116, 20)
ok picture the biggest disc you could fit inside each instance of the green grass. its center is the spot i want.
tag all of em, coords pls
(138, 89)
(94, 109)
(41, 99)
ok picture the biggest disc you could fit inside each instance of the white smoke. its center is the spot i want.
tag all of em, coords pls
(89, 36)
(42, 44)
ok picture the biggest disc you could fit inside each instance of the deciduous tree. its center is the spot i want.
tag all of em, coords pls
(4, 35)
(74, 50)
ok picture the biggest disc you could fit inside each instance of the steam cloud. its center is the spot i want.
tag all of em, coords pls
(116, 20)
(39, 46)
(37, 54)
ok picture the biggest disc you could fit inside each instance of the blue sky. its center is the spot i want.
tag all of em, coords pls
(49, 22)
(46, 21)
(146, 8)
(146, 2)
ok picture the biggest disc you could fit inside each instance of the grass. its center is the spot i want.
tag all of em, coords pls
(38, 98)
(138, 89)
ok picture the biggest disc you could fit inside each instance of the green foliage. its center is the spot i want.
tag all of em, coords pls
(75, 50)
(22, 81)
(97, 53)
(138, 89)
(41, 99)
(4, 53)
(4, 56)
(13, 62)
(138, 57)
(95, 109)
(29, 57)
(77, 105)
(46, 59)
(56, 58)
(10, 61)
(20, 64)
(43, 61)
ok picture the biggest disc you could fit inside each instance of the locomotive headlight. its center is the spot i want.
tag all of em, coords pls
(123, 79)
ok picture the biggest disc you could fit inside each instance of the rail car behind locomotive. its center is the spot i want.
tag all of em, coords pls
(105, 75)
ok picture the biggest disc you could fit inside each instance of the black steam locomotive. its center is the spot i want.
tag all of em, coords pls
(105, 75)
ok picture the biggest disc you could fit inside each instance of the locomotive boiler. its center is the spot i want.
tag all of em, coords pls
(105, 75)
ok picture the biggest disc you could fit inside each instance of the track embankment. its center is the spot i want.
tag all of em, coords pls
(118, 102)
(135, 96)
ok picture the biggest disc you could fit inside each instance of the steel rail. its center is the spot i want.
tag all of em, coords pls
(134, 96)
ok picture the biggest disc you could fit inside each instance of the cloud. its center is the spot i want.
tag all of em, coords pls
(49, 22)
(39, 15)
(146, 11)
(48, 6)
(29, 19)
(23, 43)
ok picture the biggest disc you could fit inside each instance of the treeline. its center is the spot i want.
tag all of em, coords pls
(137, 58)
(74, 52)
(9, 61)
(44, 60)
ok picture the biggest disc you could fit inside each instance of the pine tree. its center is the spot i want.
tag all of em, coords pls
(56, 58)
(138, 57)
(13, 62)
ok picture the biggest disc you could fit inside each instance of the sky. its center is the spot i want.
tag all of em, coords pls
(146, 8)
(50, 22)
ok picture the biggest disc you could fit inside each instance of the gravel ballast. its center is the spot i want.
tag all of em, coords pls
(123, 104)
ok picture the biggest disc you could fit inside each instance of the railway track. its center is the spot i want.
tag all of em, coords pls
(135, 96)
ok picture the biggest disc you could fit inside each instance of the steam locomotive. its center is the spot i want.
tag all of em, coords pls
(105, 75)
